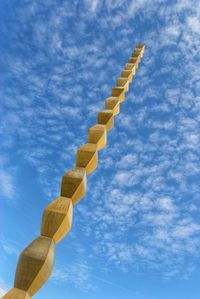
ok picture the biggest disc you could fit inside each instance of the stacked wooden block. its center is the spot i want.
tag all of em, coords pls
(36, 261)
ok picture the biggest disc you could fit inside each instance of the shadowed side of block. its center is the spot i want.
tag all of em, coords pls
(119, 92)
(105, 117)
(35, 265)
(74, 184)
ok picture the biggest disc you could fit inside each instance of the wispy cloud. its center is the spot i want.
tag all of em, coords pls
(9, 247)
(6, 184)
(3, 287)
(7, 179)
(2, 292)
(77, 274)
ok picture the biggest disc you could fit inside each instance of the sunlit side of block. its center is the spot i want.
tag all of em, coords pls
(57, 219)
(113, 103)
(98, 135)
(87, 157)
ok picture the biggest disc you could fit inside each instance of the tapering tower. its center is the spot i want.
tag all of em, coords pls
(36, 261)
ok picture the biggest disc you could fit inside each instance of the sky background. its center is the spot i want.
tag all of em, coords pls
(136, 233)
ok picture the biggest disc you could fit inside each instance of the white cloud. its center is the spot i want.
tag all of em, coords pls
(9, 248)
(78, 274)
(2, 292)
(7, 184)
(3, 287)
(127, 160)
(114, 3)
(186, 230)
(92, 5)
(194, 24)
(135, 5)
(165, 203)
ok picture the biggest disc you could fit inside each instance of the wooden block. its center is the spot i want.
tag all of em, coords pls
(35, 265)
(57, 219)
(87, 157)
(127, 74)
(15, 293)
(140, 46)
(130, 66)
(123, 82)
(113, 103)
(74, 184)
(118, 92)
(135, 61)
(98, 135)
(105, 117)
(136, 54)
(139, 50)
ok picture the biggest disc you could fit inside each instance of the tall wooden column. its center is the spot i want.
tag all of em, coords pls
(36, 261)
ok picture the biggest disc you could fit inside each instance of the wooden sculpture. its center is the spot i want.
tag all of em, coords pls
(36, 260)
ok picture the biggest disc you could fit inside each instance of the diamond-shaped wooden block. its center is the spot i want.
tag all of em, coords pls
(74, 184)
(127, 74)
(123, 82)
(140, 46)
(87, 157)
(118, 92)
(98, 135)
(113, 103)
(105, 117)
(136, 54)
(139, 50)
(35, 265)
(132, 60)
(130, 66)
(57, 219)
(135, 61)
(15, 293)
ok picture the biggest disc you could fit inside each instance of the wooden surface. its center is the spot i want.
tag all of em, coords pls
(36, 260)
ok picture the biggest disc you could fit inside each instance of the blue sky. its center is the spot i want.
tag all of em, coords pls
(136, 233)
